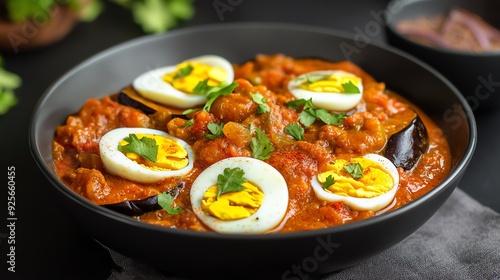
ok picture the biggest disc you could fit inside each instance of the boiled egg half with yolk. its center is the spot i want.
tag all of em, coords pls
(145, 155)
(258, 208)
(373, 188)
(336, 90)
(174, 85)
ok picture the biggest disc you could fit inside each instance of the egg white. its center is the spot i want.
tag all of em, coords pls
(263, 175)
(326, 100)
(115, 162)
(152, 86)
(359, 203)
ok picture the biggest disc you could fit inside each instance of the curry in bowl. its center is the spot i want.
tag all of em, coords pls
(275, 144)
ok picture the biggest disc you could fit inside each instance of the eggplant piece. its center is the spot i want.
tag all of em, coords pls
(129, 97)
(141, 206)
(405, 147)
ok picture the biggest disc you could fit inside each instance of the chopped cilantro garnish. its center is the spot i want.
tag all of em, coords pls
(261, 101)
(355, 169)
(230, 181)
(296, 130)
(349, 87)
(215, 130)
(145, 147)
(184, 72)
(328, 181)
(165, 200)
(225, 91)
(310, 113)
(261, 146)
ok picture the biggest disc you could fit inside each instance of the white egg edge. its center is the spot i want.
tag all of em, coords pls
(117, 163)
(270, 181)
(363, 204)
(322, 100)
(151, 85)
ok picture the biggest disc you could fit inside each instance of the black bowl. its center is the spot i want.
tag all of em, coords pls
(476, 75)
(191, 253)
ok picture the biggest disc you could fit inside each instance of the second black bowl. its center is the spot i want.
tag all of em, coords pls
(476, 75)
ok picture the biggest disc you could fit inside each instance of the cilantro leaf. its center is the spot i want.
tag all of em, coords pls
(296, 130)
(261, 146)
(145, 147)
(328, 181)
(333, 119)
(349, 87)
(8, 83)
(157, 16)
(215, 130)
(202, 88)
(307, 117)
(230, 181)
(261, 101)
(165, 200)
(215, 94)
(355, 169)
(295, 104)
(310, 113)
(184, 71)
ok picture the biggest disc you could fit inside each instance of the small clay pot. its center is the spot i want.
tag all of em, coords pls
(46, 27)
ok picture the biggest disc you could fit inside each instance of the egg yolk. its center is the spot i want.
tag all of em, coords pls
(232, 205)
(376, 180)
(329, 83)
(199, 72)
(171, 155)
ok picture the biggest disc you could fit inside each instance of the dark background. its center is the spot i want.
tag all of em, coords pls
(48, 244)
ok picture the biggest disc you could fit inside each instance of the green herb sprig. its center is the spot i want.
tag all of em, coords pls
(355, 169)
(261, 145)
(165, 200)
(295, 130)
(310, 113)
(145, 147)
(215, 130)
(329, 180)
(261, 101)
(230, 181)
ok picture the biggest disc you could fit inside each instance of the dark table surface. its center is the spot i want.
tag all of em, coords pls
(49, 245)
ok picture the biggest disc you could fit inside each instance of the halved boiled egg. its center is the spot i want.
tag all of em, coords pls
(363, 183)
(174, 85)
(259, 206)
(336, 90)
(145, 155)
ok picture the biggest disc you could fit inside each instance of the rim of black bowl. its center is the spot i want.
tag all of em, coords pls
(390, 24)
(54, 180)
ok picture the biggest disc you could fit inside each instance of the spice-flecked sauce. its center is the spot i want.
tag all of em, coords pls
(366, 129)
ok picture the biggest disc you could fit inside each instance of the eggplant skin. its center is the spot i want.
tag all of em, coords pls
(125, 99)
(141, 206)
(405, 147)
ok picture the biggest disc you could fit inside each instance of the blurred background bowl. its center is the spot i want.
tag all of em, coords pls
(475, 74)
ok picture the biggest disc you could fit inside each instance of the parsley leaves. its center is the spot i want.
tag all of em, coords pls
(349, 87)
(215, 130)
(355, 169)
(145, 147)
(328, 181)
(261, 146)
(261, 101)
(165, 200)
(296, 130)
(310, 113)
(8, 83)
(184, 72)
(230, 181)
